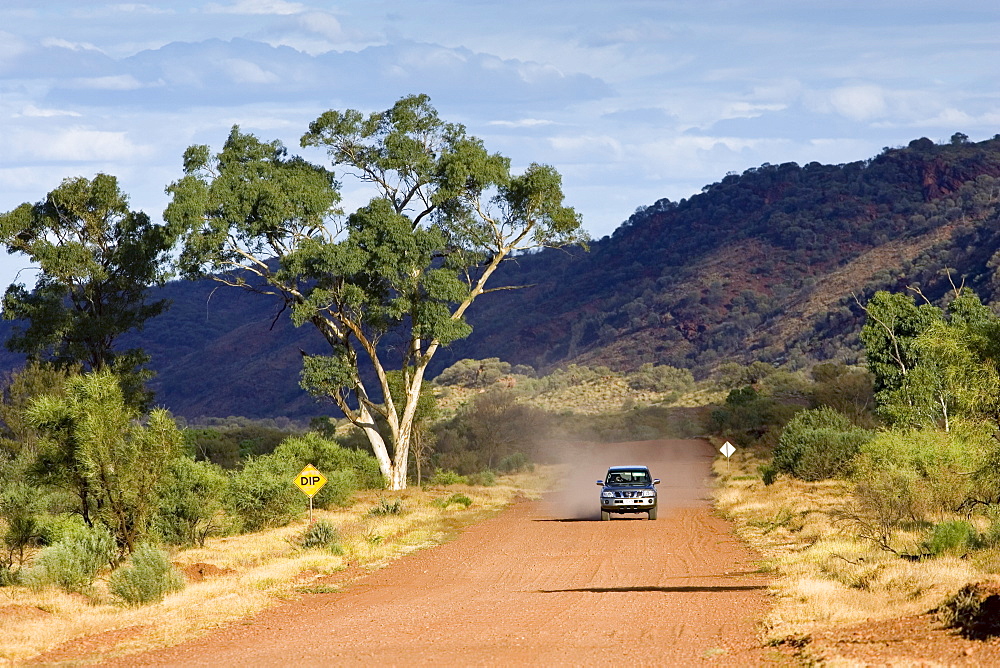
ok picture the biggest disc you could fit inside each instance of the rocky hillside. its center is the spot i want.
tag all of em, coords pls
(761, 265)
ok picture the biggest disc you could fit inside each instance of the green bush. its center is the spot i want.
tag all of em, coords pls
(74, 562)
(19, 514)
(483, 478)
(346, 470)
(191, 502)
(386, 507)
(443, 478)
(321, 534)
(460, 499)
(952, 537)
(263, 494)
(147, 579)
(911, 476)
(513, 463)
(818, 444)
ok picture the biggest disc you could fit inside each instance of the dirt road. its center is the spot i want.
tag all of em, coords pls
(544, 583)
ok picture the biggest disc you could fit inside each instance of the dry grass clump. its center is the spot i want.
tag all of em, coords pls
(234, 577)
(827, 571)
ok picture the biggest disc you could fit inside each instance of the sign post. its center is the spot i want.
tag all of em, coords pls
(310, 481)
(727, 449)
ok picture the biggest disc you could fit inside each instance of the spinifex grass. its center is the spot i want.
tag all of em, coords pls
(252, 572)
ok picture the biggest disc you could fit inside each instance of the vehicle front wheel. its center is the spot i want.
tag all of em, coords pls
(652, 513)
(605, 516)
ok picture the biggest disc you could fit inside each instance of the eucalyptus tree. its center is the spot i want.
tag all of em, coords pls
(443, 214)
(97, 261)
(933, 366)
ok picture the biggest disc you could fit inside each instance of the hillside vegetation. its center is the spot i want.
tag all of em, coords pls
(761, 265)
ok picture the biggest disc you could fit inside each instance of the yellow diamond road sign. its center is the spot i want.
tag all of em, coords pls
(310, 481)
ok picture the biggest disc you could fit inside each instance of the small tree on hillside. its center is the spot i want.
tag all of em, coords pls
(443, 215)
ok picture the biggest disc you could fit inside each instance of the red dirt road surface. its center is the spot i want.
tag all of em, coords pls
(543, 583)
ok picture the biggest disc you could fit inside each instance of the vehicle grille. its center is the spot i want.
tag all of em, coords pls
(627, 493)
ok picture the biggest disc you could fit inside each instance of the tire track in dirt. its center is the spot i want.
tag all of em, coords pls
(543, 583)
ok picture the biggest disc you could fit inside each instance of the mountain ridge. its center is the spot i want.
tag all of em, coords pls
(766, 265)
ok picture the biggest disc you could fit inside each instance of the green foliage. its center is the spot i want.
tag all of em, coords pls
(483, 478)
(661, 378)
(954, 537)
(74, 562)
(849, 390)
(120, 462)
(191, 502)
(228, 445)
(495, 426)
(444, 478)
(262, 493)
(514, 463)
(818, 444)
(443, 215)
(148, 578)
(321, 533)
(931, 366)
(748, 417)
(98, 260)
(19, 515)
(905, 477)
(457, 498)
(346, 470)
(19, 388)
(474, 373)
(387, 507)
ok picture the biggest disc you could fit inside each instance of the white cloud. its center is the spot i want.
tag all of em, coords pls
(523, 123)
(860, 102)
(114, 82)
(54, 42)
(31, 111)
(245, 72)
(71, 145)
(271, 7)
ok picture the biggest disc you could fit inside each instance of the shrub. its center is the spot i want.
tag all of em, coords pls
(74, 562)
(818, 444)
(444, 478)
(460, 499)
(19, 511)
(262, 495)
(347, 470)
(513, 463)
(386, 507)
(321, 534)
(913, 475)
(149, 577)
(191, 501)
(474, 373)
(951, 537)
(483, 478)
(974, 610)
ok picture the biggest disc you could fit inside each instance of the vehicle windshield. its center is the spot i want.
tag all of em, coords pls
(620, 478)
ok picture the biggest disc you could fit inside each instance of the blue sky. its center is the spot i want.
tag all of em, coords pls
(632, 100)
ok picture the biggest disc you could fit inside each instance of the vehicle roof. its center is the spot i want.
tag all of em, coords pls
(628, 468)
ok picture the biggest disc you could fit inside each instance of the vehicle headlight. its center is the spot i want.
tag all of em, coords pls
(649, 492)
(607, 494)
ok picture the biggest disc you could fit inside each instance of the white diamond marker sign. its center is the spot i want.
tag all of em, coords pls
(727, 449)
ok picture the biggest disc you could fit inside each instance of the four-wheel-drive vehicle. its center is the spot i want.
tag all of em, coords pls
(628, 489)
